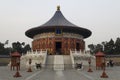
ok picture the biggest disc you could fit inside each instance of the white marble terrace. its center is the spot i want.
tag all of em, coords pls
(41, 57)
(36, 57)
(81, 57)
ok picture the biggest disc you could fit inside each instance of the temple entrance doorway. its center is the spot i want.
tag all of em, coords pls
(77, 46)
(58, 48)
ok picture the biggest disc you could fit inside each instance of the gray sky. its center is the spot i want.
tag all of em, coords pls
(102, 17)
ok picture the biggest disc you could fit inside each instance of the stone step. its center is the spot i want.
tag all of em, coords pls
(50, 61)
(67, 62)
(58, 62)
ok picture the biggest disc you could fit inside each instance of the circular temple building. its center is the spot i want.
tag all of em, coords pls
(58, 35)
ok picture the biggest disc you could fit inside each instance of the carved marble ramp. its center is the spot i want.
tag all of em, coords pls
(58, 62)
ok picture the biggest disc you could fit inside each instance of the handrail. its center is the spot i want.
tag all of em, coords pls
(72, 59)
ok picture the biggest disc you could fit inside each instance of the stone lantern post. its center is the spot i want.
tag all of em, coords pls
(29, 69)
(101, 63)
(15, 62)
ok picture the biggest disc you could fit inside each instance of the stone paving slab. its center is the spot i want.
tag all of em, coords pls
(68, 74)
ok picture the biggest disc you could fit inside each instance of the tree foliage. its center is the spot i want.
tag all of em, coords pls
(16, 46)
(110, 48)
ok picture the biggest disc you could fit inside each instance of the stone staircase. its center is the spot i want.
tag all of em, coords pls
(50, 62)
(67, 62)
(58, 62)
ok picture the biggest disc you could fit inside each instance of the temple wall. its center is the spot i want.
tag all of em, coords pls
(69, 41)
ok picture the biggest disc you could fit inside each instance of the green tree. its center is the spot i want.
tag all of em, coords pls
(20, 47)
(2, 49)
(92, 48)
(109, 47)
(117, 46)
(27, 48)
(17, 46)
(99, 47)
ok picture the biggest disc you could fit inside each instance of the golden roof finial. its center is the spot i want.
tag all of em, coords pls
(58, 7)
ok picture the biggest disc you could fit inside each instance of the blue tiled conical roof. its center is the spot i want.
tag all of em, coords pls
(58, 21)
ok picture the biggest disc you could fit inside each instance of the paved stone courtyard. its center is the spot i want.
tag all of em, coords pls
(68, 74)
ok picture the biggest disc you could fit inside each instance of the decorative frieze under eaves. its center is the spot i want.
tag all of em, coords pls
(52, 35)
